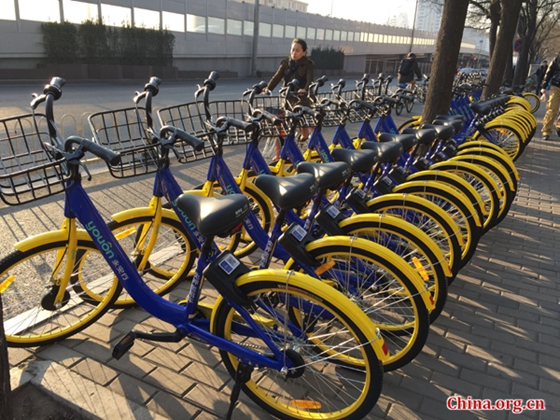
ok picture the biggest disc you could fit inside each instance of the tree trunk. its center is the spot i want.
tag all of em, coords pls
(494, 14)
(508, 25)
(6, 410)
(527, 36)
(445, 58)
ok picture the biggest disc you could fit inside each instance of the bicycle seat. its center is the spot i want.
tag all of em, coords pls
(450, 117)
(214, 215)
(358, 160)
(288, 192)
(386, 152)
(444, 132)
(408, 141)
(456, 124)
(423, 135)
(328, 175)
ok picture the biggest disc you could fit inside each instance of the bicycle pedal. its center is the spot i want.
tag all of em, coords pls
(124, 345)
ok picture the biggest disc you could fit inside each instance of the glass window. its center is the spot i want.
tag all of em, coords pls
(311, 33)
(146, 18)
(290, 31)
(115, 15)
(351, 36)
(39, 10)
(370, 38)
(336, 35)
(248, 28)
(300, 32)
(173, 21)
(74, 11)
(216, 26)
(278, 31)
(363, 37)
(196, 24)
(344, 36)
(265, 29)
(234, 27)
(375, 37)
(328, 34)
(320, 34)
(8, 10)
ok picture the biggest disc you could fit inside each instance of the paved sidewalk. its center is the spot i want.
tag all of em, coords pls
(498, 337)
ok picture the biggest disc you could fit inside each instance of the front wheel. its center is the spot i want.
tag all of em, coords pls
(40, 306)
(409, 105)
(320, 332)
(399, 107)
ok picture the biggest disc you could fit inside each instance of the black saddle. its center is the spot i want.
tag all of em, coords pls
(288, 192)
(423, 135)
(408, 141)
(386, 152)
(328, 175)
(358, 160)
(214, 215)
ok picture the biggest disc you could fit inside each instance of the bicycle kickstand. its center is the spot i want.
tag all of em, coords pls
(242, 376)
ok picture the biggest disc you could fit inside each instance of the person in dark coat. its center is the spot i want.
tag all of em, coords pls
(541, 71)
(407, 70)
(296, 66)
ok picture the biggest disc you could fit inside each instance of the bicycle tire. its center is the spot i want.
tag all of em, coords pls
(429, 218)
(411, 244)
(502, 158)
(171, 260)
(28, 291)
(399, 107)
(507, 138)
(533, 99)
(393, 302)
(454, 204)
(281, 393)
(484, 184)
(409, 105)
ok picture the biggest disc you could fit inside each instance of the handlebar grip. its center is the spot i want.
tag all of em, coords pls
(242, 125)
(191, 140)
(153, 85)
(55, 87)
(309, 111)
(101, 152)
(267, 115)
(210, 82)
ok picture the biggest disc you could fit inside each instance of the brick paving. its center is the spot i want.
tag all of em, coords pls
(498, 337)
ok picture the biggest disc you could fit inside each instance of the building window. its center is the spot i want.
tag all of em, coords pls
(74, 11)
(336, 35)
(145, 18)
(277, 31)
(265, 29)
(216, 26)
(328, 35)
(234, 27)
(290, 31)
(311, 33)
(196, 24)
(344, 36)
(173, 21)
(248, 28)
(300, 32)
(320, 34)
(115, 15)
(38, 10)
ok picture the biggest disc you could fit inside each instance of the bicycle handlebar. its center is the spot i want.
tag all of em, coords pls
(223, 123)
(89, 146)
(259, 115)
(176, 134)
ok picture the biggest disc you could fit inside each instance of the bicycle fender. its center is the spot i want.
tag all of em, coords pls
(378, 201)
(392, 221)
(488, 161)
(453, 179)
(142, 212)
(295, 280)
(469, 168)
(383, 252)
(419, 185)
(52, 236)
(490, 152)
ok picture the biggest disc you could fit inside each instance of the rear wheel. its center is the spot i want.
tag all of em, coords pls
(323, 383)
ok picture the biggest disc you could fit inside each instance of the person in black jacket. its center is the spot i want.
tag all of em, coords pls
(407, 69)
(541, 71)
(552, 76)
(296, 66)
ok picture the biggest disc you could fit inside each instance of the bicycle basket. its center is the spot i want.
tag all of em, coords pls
(28, 173)
(125, 131)
(191, 117)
